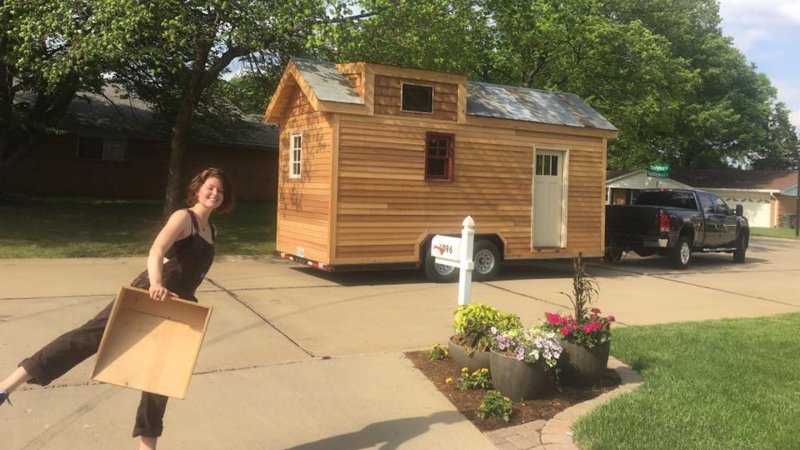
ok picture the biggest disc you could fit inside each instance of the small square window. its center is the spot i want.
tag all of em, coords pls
(101, 149)
(417, 98)
(439, 156)
(547, 165)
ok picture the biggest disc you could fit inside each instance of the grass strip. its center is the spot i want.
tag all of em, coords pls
(727, 384)
(69, 227)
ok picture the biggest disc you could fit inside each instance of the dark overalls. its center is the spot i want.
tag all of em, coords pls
(189, 261)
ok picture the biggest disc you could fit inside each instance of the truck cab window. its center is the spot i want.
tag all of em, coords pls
(706, 202)
(720, 207)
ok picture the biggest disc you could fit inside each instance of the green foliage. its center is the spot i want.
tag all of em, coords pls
(584, 289)
(494, 404)
(49, 50)
(437, 353)
(661, 72)
(479, 379)
(473, 325)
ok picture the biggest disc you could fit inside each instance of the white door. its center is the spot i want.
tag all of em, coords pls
(548, 196)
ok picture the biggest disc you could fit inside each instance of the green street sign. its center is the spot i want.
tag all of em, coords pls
(658, 171)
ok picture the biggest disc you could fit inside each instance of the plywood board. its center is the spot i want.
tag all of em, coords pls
(150, 345)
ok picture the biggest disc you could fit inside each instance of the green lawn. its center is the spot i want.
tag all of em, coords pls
(773, 232)
(728, 384)
(47, 227)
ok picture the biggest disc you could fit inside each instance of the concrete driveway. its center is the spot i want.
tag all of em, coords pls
(297, 358)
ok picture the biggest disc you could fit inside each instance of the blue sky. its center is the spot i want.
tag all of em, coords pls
(768, 33)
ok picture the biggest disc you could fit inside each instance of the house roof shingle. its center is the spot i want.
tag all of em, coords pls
(116, 114)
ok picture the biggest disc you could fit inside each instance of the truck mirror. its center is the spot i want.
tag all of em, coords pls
(739, 210)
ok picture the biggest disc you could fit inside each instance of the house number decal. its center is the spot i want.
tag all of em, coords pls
(446, 247)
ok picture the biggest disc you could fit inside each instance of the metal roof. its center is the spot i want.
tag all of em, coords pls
(327, 82)
(532, 105)
(483, 99)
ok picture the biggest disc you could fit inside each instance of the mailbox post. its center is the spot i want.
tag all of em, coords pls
(457, 252)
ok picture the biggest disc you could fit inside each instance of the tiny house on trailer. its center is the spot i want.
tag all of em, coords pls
(375, 160)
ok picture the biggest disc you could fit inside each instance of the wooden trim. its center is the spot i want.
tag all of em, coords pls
(417, 74)
(291, 76)
(603, 205)
(358, 66)
(461, 113)
(369, 89)
(336, 107)
(287, 83)
(334, 190)
(521, 128)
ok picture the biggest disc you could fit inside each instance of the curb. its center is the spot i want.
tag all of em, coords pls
(556, 433)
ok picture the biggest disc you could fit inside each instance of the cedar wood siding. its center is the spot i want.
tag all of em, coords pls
(388, 99)
(304, 204)
(385, 207)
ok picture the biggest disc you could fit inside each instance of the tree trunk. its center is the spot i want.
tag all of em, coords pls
(178, 144)
(13, 149)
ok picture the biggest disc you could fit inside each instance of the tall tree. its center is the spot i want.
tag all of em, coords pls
(620, 67)
(48, 52)
(188, 45)
(725, 117)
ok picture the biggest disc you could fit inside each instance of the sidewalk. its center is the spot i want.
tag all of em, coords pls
(296, 358)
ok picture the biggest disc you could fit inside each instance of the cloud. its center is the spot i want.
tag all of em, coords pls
(752, 21)
(794, 117)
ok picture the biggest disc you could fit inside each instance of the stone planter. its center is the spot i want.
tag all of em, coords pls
(477, 360)
(518, 380)
(580, 365)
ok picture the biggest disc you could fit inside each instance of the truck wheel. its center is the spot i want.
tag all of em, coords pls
(613, 255)
(682, 253)
(741, 248)
(439, 273)
(486, 257)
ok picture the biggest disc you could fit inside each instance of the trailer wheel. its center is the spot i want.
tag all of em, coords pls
(439, 273)
(741, 248)
(682, 253)
(486, 257)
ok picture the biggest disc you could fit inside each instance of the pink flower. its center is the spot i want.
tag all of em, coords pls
(596, 310)
(564, 330)
(610, 319)
(554, 319)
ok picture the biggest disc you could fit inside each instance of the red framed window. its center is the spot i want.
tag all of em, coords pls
(439, 156)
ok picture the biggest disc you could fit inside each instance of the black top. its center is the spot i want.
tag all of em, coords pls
(189, 261)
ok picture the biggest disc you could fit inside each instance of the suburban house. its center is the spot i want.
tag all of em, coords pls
(768, 196)
(622, 185)
(112, 145)
(376, 159)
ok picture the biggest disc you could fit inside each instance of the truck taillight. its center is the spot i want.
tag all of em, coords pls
(663, 222)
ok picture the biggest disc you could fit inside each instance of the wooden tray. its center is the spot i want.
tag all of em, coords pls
(149, 345)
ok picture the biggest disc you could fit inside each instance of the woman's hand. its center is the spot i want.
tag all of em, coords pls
(160, 293)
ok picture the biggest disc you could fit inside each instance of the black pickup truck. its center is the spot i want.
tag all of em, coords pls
(676, 223)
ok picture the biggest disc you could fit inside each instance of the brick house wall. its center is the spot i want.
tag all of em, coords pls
(53, 168)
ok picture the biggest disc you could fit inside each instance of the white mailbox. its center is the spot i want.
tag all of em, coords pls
(457, 252)
(446, 250)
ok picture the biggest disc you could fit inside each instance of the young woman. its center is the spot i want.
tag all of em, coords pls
(178, 261)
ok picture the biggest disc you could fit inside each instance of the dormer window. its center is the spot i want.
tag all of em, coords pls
(417, 98)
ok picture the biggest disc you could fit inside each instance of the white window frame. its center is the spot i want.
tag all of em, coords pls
(295, 155)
